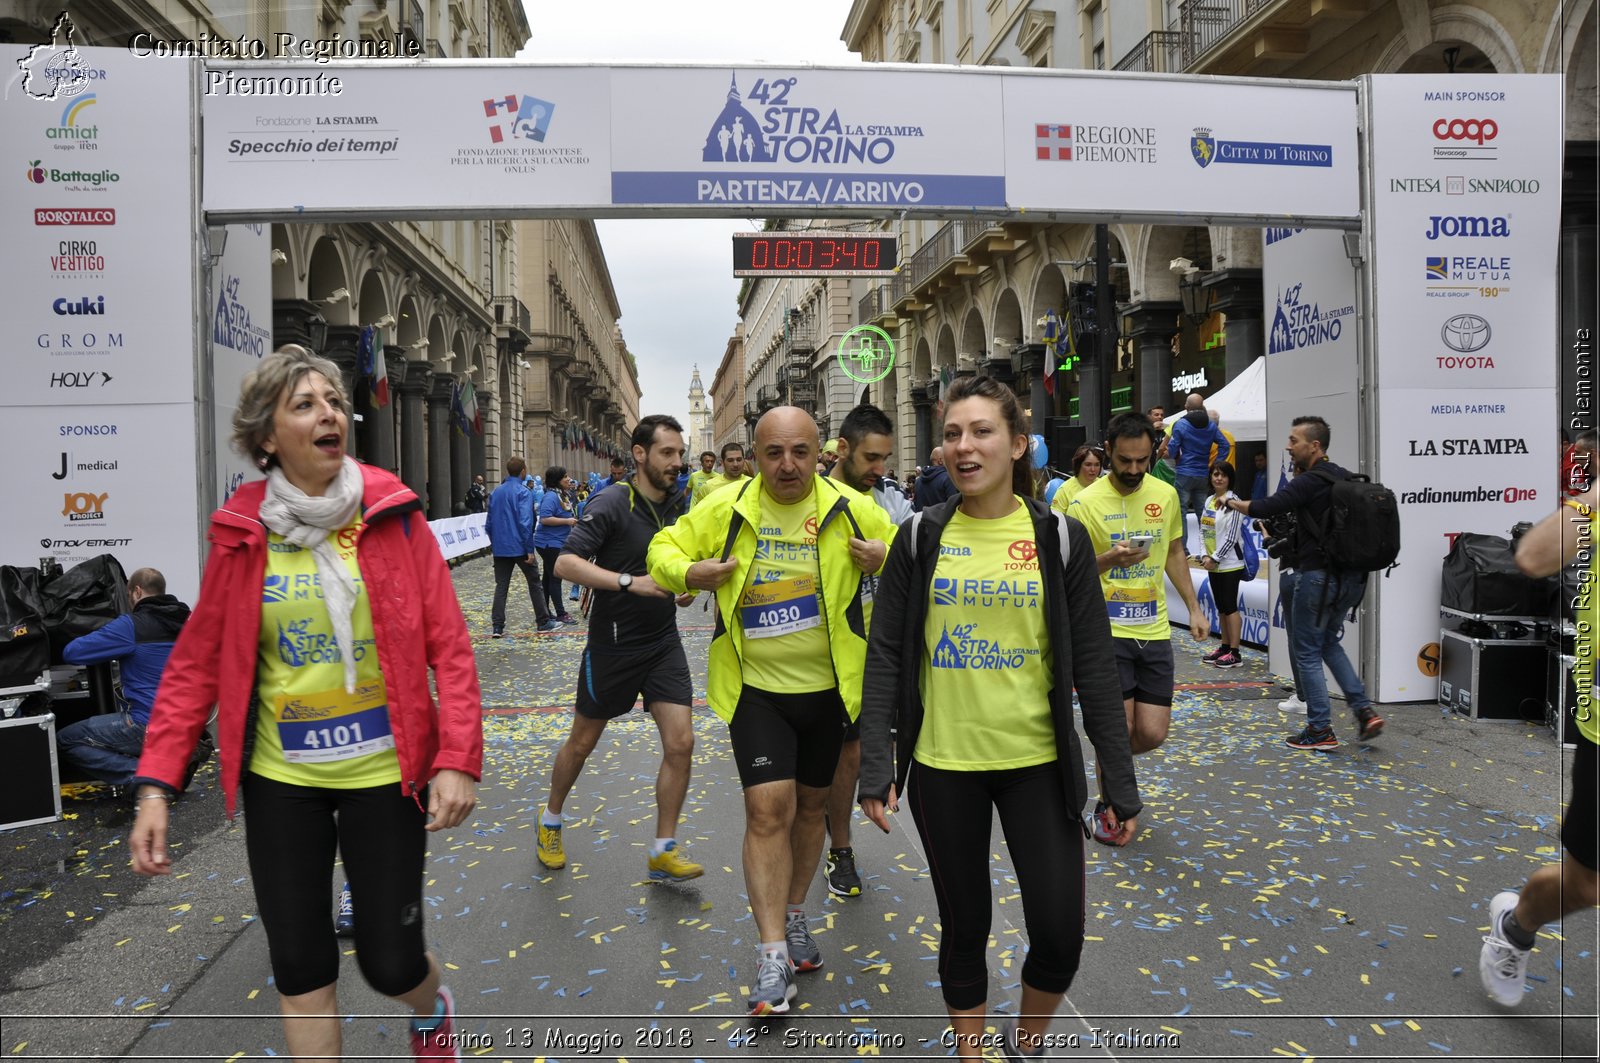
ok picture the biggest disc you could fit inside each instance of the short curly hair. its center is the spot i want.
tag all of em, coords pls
(262, 388)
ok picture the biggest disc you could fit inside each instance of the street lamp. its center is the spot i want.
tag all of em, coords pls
(1196, 300)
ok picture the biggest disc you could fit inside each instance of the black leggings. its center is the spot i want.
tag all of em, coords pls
(952, 812)
(290, 835)
(552, 582)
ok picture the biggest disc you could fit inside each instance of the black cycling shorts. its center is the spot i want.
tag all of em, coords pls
(1579, 826)
(609, 684)
(1225, 590)
(777, 737)
(1145, 668)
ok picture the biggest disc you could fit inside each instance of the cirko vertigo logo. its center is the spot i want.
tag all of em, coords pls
(1466, 333)
(75, 216)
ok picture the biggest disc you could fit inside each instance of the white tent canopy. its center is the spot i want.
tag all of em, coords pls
(1242, 405)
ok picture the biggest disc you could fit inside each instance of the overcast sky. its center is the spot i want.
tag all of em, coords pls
(674, 278)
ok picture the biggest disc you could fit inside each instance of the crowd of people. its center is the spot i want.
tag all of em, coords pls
(942, 648)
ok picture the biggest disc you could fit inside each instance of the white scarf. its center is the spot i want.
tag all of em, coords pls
(309, 521)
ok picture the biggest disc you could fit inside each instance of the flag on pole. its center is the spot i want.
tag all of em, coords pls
(1052, 350)
(371, 365)
(471, 416)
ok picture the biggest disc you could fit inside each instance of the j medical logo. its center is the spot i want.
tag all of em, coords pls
(518, 118)
(1206, 149)
(74, 130)
(1298, 323)
(1094, 143)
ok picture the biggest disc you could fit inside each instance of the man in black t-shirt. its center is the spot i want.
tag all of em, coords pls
(634, 647)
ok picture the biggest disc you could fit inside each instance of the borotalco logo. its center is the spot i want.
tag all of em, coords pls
(84, 505)
(74, 216)
(1153, 510)
(1477, 130)
(1466, 333)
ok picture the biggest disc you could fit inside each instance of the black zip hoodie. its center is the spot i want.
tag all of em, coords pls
(1080, 639)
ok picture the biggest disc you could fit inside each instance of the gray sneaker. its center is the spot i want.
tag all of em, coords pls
(774, 987)
(1012, 1051)
(1502, 966)
(803, 951)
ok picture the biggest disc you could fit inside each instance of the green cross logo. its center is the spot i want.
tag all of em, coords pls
(866, 354)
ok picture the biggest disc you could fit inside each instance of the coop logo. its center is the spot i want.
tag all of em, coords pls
(74, 216)
(84, 307)
(518, 118)
(1206, 149)
(72, 130)
(1299, 323)
(84, 505)
(1473, 227)
(1465, 138)
(231, 326)
(1094, 143)
(1466, 333)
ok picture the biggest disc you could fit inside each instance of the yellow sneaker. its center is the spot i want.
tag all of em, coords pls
(551, 854)
(671, 866)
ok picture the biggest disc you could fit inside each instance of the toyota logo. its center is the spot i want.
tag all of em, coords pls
(1465, 333)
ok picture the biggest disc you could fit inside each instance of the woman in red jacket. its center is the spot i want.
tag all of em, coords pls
(324, 603)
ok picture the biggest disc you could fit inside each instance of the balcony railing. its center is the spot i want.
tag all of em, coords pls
(871, 306)
(1202, 23)
(411, 21)
(1160, 52)
(929, 259)
(512, 312)
(768, 396)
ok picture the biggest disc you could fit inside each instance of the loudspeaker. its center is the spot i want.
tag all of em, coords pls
(1065, 439)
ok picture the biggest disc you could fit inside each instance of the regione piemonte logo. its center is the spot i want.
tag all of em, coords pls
(518, 118)
(1053, 142)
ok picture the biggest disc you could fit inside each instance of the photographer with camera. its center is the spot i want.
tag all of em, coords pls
(1317, 594)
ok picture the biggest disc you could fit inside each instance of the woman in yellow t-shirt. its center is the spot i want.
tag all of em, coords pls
(1002, 621)
(1088, 462)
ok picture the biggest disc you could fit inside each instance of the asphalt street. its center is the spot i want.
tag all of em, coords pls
(1275, 904)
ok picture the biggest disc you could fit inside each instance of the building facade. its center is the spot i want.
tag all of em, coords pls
(728, 396)
(972, 296)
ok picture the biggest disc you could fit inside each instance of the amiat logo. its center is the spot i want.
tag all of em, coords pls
(72, 128)
(518, 118)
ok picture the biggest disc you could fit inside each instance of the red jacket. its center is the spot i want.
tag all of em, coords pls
(416, 623)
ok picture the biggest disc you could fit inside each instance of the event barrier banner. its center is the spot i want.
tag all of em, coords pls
(1466, 179)
(241, 335)
(1313, 346)
(460, 535)
(506, 139)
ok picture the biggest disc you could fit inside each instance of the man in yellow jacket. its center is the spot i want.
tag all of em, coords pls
(785, 555)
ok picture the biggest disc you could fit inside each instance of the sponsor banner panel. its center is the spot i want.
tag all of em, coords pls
(460, 535)
(1466, 212)
(372, 139)
(1096, 145)
(100, 480)
(806, 137)
(1255, 602)
(240, 330)
(1463, 460)
(1313, 346)
(96, 209)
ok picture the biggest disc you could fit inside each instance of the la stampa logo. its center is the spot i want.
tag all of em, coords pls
(518, 118)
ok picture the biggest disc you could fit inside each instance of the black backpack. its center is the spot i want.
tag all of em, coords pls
(1361, 532)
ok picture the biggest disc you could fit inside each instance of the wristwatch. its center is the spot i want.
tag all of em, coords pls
(624, 581)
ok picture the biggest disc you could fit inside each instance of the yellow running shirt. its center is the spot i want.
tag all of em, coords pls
(309, 732)
(1135, 596)
(700, 484)
(786, 648)
(1066, 493)
(987, 664)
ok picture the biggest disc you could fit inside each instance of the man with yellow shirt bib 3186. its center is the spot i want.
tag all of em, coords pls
(785, 554)
(1134, 522)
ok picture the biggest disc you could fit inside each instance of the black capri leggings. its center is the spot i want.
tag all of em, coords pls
(290, 835)
(1225, 590)
(552, 582)
(952, 813)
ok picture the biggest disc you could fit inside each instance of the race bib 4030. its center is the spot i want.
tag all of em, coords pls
(781, 607)
(333, 725)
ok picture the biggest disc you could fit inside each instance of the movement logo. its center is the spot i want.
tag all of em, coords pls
(77, 544)
(1206, 149)
(518, 118)
(75, 216)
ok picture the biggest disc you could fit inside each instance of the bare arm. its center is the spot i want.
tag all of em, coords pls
(1556, 539)
(586, 573)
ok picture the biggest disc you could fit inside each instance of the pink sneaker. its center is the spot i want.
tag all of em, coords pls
(438, 1043)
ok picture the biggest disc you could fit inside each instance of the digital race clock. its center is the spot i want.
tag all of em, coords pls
(815, 254)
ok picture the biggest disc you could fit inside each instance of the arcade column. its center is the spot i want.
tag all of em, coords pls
(376, 431)
(413, 381)
(440, 493)
(922, 398)
(1237, 293)
(460, 467)
(1150, 326)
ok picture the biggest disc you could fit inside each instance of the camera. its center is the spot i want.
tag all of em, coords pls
(1277, 534)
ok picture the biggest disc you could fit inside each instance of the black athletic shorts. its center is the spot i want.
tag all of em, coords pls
(610, 683)
(1579, 825)
(1225, 590)
(777, 737)
(1145, 668)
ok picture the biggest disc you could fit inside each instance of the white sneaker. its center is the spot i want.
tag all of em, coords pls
(1292, 704)
(1501, 965)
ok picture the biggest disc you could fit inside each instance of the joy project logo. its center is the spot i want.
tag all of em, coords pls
(529, 118)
